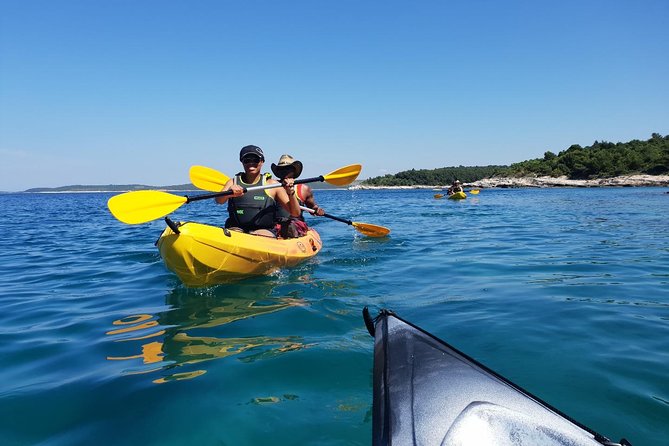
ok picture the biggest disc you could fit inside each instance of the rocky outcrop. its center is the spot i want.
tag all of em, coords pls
(506, 182)
(622, 181)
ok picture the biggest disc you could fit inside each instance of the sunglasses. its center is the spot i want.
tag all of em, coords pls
(251, 160)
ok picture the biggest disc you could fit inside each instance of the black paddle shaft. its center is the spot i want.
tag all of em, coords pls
(230, 192)
(343, 220)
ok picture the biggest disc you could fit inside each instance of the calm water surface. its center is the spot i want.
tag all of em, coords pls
(564, 291)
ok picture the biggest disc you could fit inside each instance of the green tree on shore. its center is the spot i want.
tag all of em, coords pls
(600, 160)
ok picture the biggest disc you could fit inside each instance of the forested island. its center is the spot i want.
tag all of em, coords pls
(598, 161)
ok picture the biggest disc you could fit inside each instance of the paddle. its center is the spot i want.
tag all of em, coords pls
(143, 206)
(363, 228)
(207, 178)
(211, 179)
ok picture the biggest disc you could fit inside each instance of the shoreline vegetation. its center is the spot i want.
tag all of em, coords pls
(603, 164)
(633, 163)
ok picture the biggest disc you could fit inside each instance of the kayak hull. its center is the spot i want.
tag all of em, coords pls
(457, 196)
(426, 392)
(202, 255)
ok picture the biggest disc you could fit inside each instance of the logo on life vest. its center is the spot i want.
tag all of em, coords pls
(259, 198)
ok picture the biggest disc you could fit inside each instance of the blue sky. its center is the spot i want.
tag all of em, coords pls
(100, 92)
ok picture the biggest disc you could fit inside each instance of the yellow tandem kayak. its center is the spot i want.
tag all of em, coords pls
(457, 196)
(205, 255)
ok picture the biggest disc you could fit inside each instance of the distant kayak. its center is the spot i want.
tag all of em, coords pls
(426, 392)
(457, 196)
(205, 255)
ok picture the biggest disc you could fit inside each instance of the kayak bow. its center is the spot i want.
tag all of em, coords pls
(426, 392)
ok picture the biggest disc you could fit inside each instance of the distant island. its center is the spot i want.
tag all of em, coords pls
(112, 188)
(601, 164)
(633, 163)
(188, 187)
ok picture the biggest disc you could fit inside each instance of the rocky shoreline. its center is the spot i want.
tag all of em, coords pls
(511, 182)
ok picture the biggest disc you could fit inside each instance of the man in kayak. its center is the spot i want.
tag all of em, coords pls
(455, 187)
(255, 211)
(288, 167)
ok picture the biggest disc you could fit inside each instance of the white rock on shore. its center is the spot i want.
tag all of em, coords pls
(505, 182)
(622, 181)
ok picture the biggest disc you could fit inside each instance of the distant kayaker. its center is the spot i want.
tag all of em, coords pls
(255, 212)
(455, 187)
(288, 167)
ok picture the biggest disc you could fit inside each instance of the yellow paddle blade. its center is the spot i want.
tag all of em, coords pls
(474, 191)
(344, 175)
(371, 230)
(437, 196)
(143, 205)
(207, 178)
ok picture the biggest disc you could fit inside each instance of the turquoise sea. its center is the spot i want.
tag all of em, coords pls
(564, 291)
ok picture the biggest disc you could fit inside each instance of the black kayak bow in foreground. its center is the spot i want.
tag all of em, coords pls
(426, 392)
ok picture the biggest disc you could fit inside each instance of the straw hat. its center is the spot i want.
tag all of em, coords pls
(286, 164)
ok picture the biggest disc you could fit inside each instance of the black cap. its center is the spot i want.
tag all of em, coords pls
(251, 150)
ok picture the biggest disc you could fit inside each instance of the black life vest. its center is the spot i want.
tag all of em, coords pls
(253, 210)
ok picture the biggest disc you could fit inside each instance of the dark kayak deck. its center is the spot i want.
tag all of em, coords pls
(426, 392)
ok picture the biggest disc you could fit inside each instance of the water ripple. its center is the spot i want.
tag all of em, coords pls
(564, 291)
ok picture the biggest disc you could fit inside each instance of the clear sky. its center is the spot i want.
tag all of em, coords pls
(132, 91)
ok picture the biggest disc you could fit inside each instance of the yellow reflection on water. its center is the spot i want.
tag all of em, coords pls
(151, 353)
(187, 311)
(262, 400)
(179, 376)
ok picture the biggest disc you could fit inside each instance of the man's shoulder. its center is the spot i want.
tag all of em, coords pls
(269, 179)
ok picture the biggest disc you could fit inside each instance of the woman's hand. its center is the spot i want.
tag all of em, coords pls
(288, 184)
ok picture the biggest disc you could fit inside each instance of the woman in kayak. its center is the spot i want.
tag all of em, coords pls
(288, 167)
(288, 226)
(455, 187)
(255, 212)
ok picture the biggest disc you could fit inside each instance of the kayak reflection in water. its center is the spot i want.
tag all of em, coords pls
(167, 345)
